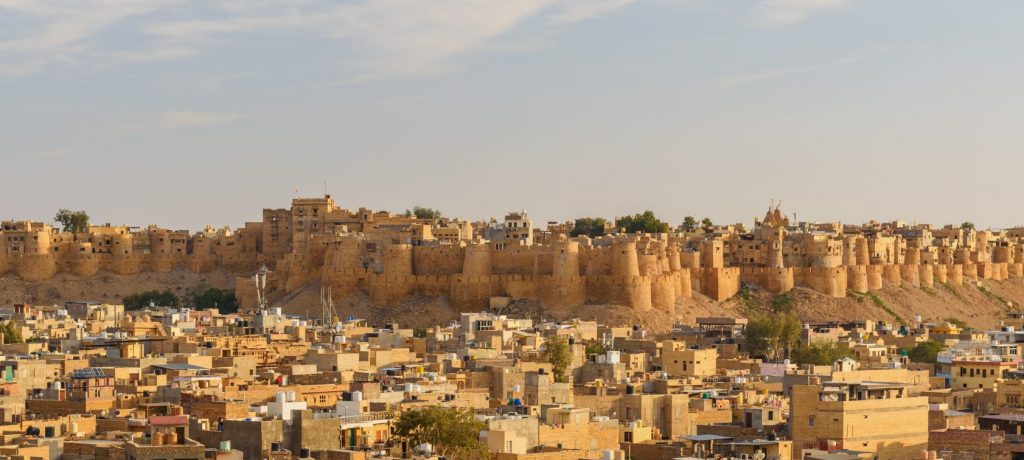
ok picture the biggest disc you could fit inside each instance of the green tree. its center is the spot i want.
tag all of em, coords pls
(782, 303)
(595, 347)
(821, 352)
(645, 222)
(556, 352)
(210, 297)
(967, 225)
(772, 336)
(72, 221)
(454, 433)
(588, 226)
(689, 223)
(925, 352)
(140, 300)
(421, 212)
(706, 223)
(11, 333)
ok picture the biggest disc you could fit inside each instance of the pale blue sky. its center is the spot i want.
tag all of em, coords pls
(183, 113)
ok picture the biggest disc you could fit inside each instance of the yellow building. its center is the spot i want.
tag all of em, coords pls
(979, 374)
(680, 361)
(866, 416)
(1010, 394)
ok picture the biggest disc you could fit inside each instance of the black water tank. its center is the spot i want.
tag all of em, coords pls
(303, 453)
(630, 389)
(275, 447)
(51, 432)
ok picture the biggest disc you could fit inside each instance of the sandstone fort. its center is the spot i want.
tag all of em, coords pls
(392, 256)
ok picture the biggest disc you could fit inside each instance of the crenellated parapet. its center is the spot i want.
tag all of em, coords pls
(392, 257)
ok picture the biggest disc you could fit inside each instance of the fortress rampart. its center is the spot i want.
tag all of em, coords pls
(392, 257)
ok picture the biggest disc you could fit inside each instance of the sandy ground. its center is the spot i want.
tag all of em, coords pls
(981, 306)
(106, 287)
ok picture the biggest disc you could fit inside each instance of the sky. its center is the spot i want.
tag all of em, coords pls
(184, 113)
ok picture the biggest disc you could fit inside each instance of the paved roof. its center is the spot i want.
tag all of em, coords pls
(163, 420)
(181, 367)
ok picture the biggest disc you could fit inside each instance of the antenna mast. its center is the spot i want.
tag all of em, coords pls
(261, 288)
(328, 313)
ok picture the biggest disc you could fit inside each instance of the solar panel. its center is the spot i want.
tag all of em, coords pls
(88, 373)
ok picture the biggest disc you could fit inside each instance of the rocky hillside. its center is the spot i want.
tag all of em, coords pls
(106, 287)
(980, 305)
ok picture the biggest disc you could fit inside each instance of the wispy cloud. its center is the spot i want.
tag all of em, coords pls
(380, 38)
(788, 12)
(160, 53)
(64, 27)
(782, 72)
(188, 119)
(581, 10)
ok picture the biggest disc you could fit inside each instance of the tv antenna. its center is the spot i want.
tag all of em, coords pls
(261, 288)
(328, 314)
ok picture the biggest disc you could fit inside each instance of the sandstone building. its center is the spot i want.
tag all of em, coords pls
(392, 256)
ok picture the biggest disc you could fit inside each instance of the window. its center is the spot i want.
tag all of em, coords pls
(810, 420)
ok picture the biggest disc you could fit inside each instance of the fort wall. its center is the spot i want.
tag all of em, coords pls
(625, 261)
(35, 267)
(78, 259)
(830, 281)
(438, 260)
(939, 274)
(686, 288)
(926, 275)
(663, 292)
(876, 277)
(638, 271)
(910, 274)
(720, 283)
(984, 270)
(892, 274)
(773, 280)
(955, 275)
(857, 278)
(398, 259)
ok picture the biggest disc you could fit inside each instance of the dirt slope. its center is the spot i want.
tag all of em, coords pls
(980, 306)
(105, 287)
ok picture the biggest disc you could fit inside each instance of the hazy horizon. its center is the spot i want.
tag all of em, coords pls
(183, 113)
(540, 224)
